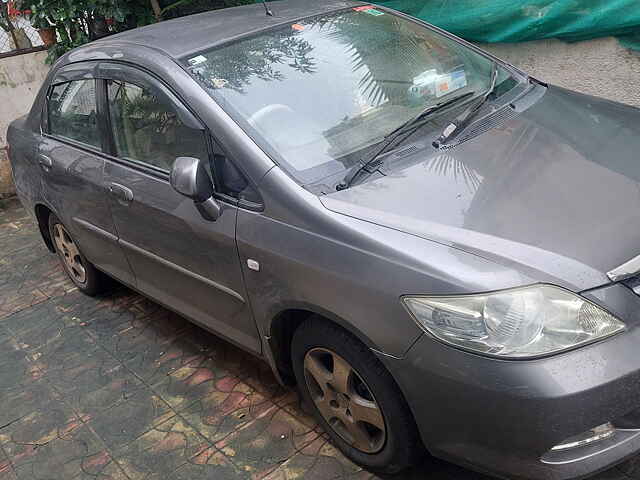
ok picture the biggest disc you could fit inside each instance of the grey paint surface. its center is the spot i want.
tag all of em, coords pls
(532, 197)
(494, 408)
(351, 255)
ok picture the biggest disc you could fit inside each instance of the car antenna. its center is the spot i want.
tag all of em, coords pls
(266, 9)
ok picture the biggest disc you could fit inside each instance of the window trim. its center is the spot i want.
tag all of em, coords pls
(91, 70)
(152, 82)
(45, 123)
(175, 99)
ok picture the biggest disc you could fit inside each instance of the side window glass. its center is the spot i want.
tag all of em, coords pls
(73, 112)
(147, 129)
(231, 180)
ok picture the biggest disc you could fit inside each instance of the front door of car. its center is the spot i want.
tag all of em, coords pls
(70, 156)
(180, 259)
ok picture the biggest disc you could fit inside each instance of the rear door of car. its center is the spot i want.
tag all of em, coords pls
(180, 259)
(70, 154)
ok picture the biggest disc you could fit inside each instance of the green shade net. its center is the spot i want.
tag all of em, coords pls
(523, 20)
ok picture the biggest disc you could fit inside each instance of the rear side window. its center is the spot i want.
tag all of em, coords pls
(73, 112)
(147, 129)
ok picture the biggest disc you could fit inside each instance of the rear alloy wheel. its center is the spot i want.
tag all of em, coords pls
(354, 398)
(81, 272)
(69, 253)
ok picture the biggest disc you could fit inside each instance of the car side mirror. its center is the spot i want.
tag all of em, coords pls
(190, 178)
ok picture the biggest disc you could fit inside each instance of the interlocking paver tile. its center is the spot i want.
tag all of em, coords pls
(70, 451)
(234, 359)
(318, 460)
(158, 360)
(19, 402)
(20, 239)
(9, 278)
(49, 277)
(39, 316)
(15, 297)
(15, 370)
(96, 384)
(128, 332)
(29, 261)
(208, 464)
(189, 383)
(18, 234)
(127, 420)
(161, 450)
(6, 468)
(292, 403)
(31, 434)
(54, 339)
(264, 443)
(259, 375)
(230, 406)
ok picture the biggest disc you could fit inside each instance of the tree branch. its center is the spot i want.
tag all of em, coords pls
(5, 21)
(157, 11)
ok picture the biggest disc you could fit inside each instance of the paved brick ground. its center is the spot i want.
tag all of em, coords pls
(118, 388)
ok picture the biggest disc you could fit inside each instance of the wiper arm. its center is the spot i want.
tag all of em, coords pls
(463, 120)
(427, 111)
(409, 126)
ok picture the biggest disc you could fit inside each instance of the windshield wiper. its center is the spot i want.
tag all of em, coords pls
(464, 120)
(409, 126)
(427, 111)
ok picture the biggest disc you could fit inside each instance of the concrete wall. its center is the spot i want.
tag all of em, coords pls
(598, 67)
(20, 79)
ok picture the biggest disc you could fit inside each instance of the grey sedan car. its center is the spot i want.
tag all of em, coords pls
(439, 250)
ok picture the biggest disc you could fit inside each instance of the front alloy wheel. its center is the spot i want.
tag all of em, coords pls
(354, 397)
(344, 400)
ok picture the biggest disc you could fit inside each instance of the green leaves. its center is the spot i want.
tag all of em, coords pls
(81, 21)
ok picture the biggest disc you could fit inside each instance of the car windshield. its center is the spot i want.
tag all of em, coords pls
(318, 94)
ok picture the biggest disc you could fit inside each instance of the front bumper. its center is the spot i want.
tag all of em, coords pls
(502, 417)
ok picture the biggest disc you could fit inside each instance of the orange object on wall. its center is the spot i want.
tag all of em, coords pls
(13, 12)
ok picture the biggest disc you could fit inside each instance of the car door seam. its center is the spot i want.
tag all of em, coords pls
(182, 270)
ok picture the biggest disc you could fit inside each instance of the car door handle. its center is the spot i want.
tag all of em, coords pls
(121, 192)
(45, 162)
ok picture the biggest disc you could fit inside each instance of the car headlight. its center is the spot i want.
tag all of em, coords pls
(520, 323)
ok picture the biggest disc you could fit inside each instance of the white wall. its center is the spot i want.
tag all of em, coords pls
(599, 67)
(20, 79)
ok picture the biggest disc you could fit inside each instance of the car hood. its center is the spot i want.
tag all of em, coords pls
(553, 192)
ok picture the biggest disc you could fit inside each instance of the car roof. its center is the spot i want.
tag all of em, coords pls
(182, 36)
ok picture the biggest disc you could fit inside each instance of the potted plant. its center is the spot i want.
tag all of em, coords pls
(39, 16)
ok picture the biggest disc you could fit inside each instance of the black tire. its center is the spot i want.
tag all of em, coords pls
(402, 446)
(94, 281)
